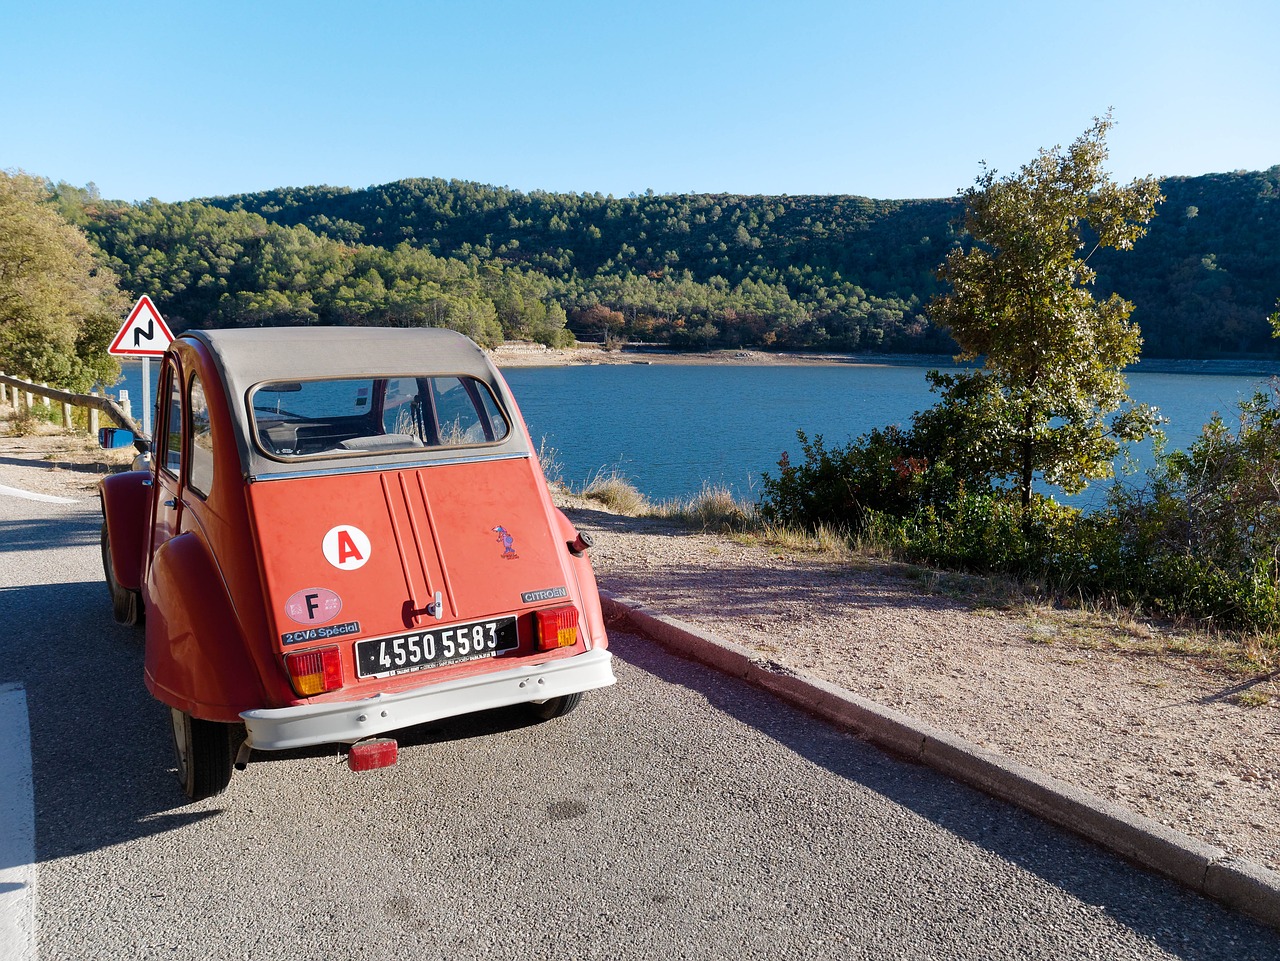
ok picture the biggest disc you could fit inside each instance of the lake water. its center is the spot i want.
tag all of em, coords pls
(672, 428)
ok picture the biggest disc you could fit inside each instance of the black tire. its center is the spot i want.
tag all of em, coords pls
(555, 707)
(203, 752)
(126, 605)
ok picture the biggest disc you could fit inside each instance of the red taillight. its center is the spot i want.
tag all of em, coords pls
(557, 627)
(314, 672)
(369, 755)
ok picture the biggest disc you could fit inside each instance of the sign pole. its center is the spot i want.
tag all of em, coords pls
(146, 395)
(144, 334)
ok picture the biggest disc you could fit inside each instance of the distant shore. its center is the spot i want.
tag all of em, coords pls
(522, 354)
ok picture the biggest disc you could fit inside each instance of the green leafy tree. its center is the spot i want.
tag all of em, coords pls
(58, 307)
(1048, 399)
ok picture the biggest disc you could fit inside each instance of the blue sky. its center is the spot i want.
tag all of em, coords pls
(884, 99)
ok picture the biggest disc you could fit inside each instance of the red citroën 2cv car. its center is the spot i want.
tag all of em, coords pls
(343, 532)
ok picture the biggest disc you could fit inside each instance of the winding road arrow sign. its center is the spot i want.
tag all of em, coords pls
(144, 333)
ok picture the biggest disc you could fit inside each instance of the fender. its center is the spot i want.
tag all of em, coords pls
(125, 500)
(196, 657)
(588, 591)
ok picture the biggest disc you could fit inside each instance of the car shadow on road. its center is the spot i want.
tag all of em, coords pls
(44, 533)
(1179, 921)
(100, 750)
(102, 756)
(464, 727)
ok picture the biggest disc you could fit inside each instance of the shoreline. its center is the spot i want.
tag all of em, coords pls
(523, 354)
(520, 354)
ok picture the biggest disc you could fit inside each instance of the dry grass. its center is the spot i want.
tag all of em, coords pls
(714, 508)
(22, 424)
(616, 493)
(825, 540)
(549, 461)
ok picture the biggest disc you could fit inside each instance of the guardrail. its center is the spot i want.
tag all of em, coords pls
(14, 389)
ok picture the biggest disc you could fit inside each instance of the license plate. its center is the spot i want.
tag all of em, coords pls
(387, 656)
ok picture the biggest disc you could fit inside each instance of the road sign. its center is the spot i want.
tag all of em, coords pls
(144, 333)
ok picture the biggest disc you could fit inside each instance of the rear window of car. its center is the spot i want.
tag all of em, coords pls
(353, 416)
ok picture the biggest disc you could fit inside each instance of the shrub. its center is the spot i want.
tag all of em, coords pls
(22, 423)
(880, 472)
(991, 531)
(1202, 537)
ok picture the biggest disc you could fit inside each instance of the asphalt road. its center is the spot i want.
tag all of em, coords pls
(678, 815)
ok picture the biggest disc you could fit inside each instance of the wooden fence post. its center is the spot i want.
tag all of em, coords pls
(93, 417)
(4, 389)
(43, 399)
(67, 422)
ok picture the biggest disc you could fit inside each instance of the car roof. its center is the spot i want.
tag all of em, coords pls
(251, 356)
(245, 358)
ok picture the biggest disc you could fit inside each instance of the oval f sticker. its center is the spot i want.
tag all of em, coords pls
(346, 547)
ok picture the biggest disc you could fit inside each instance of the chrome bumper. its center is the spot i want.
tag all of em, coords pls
(277, 729)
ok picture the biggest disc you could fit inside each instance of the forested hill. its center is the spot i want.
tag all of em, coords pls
(817, 272)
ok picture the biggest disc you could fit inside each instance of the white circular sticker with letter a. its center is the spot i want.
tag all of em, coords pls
(346, 547)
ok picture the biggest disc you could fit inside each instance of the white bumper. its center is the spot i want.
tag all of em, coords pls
(276, 729)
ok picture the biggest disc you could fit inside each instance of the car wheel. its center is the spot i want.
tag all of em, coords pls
(203, 751)
(555, 707)
(126, 605)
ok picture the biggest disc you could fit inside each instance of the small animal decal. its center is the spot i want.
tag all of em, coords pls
(508, 543)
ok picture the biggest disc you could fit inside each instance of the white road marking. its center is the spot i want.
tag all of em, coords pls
(28, 495)
(17, 829)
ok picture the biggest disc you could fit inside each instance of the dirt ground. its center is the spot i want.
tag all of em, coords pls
(1148, 715)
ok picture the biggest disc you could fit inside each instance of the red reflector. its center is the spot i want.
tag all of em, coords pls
(370, 755)
(557, 627)
(314, 672)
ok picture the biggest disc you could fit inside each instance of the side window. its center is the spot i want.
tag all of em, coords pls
(171, 456)
(398, 407)
(465, 412)
(201, 447)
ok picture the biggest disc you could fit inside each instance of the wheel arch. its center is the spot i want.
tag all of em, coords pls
(197, 657)
(124, 499)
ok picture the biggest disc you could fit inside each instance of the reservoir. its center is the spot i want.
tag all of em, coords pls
(671, 428)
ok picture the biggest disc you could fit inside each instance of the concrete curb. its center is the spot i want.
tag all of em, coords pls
(1235, 882)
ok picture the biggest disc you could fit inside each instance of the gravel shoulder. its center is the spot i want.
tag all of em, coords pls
(1102, 705)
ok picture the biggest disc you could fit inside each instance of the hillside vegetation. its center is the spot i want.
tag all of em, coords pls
(695, 271)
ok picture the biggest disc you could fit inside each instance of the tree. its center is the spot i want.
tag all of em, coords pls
(58, 307)
(1054, 354)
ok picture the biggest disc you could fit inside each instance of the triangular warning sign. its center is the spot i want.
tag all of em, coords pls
(144, 333)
